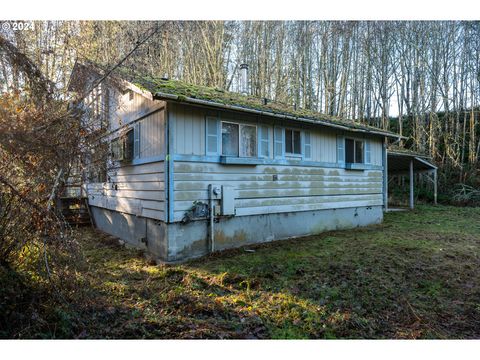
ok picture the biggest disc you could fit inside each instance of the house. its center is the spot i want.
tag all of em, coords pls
(194, 169)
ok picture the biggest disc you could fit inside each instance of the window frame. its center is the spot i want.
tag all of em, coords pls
(355, 140)
(300, 131)
(239, 124)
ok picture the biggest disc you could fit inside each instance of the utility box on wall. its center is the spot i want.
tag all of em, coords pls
(228, 200)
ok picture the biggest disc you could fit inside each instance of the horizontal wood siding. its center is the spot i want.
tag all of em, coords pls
(297, 188)
(134, 189)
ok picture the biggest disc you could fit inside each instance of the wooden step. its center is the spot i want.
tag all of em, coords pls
(75, 210)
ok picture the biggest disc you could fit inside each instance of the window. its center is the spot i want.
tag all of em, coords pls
(354, 151)
(292, 142)
(117, 149)
(229, 139)
(96, 160)
(239, 140)
(122, 148)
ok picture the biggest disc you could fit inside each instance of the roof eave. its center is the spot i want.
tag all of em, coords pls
(167, 96)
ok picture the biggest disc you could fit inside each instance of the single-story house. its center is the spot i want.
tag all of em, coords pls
(194, 169)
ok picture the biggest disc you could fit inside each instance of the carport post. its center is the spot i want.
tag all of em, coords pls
(435, 186)
(385, 175)
(411, 184)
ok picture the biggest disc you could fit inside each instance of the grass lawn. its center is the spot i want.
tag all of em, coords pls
(415, 276)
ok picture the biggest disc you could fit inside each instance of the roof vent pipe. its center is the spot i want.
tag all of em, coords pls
(244, 79)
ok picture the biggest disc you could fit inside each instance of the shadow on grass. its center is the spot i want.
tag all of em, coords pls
(415, 276)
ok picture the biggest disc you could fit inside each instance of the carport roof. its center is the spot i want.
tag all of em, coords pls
(399, 161)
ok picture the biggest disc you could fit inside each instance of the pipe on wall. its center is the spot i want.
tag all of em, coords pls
(211, 219)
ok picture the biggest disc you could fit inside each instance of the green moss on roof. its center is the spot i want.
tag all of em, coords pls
(184, 91)
(399, 150)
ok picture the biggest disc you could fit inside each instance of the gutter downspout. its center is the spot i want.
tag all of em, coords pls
(385, 175)
(211, 218)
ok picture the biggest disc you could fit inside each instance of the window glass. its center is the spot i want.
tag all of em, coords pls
(349, 150)
(359, 151)
(288, 141)
(292, 142)
(229, 139)
(296, 143)
(354, 151)
(248, 140)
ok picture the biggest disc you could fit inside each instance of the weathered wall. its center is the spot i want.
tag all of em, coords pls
(139, 232)
(190, 240)
(152, 135)
(298, 188)
(318, 183)
(124, 110)
(179, 242)
(134, 189)
(189, 133)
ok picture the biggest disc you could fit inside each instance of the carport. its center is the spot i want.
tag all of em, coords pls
(406, 163)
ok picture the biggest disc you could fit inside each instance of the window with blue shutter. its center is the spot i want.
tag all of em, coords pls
(263, 141)
(278, 142)
(307, 145)
(340, 149)
(212, 136)
(368, 156)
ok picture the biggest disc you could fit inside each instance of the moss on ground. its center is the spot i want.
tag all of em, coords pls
(415, 276)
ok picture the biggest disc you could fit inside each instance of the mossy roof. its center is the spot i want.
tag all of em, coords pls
(392, 149)
(184, 92)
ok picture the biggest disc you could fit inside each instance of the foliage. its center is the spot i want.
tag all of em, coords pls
(465, 194)
(39, 143)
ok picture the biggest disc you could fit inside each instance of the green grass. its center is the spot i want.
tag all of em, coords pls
(415, 276)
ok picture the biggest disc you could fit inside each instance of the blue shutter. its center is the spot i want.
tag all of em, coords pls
(307, 145)
(136, 141)
(368, 153)
(340, 149)
(263, 141)
(212, 134)
(279, 142)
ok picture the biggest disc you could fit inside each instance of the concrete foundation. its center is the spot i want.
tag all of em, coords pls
(140, 232)
(178, 242)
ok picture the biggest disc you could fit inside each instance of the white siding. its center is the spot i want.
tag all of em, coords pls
(134, 189)
(297, 188)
